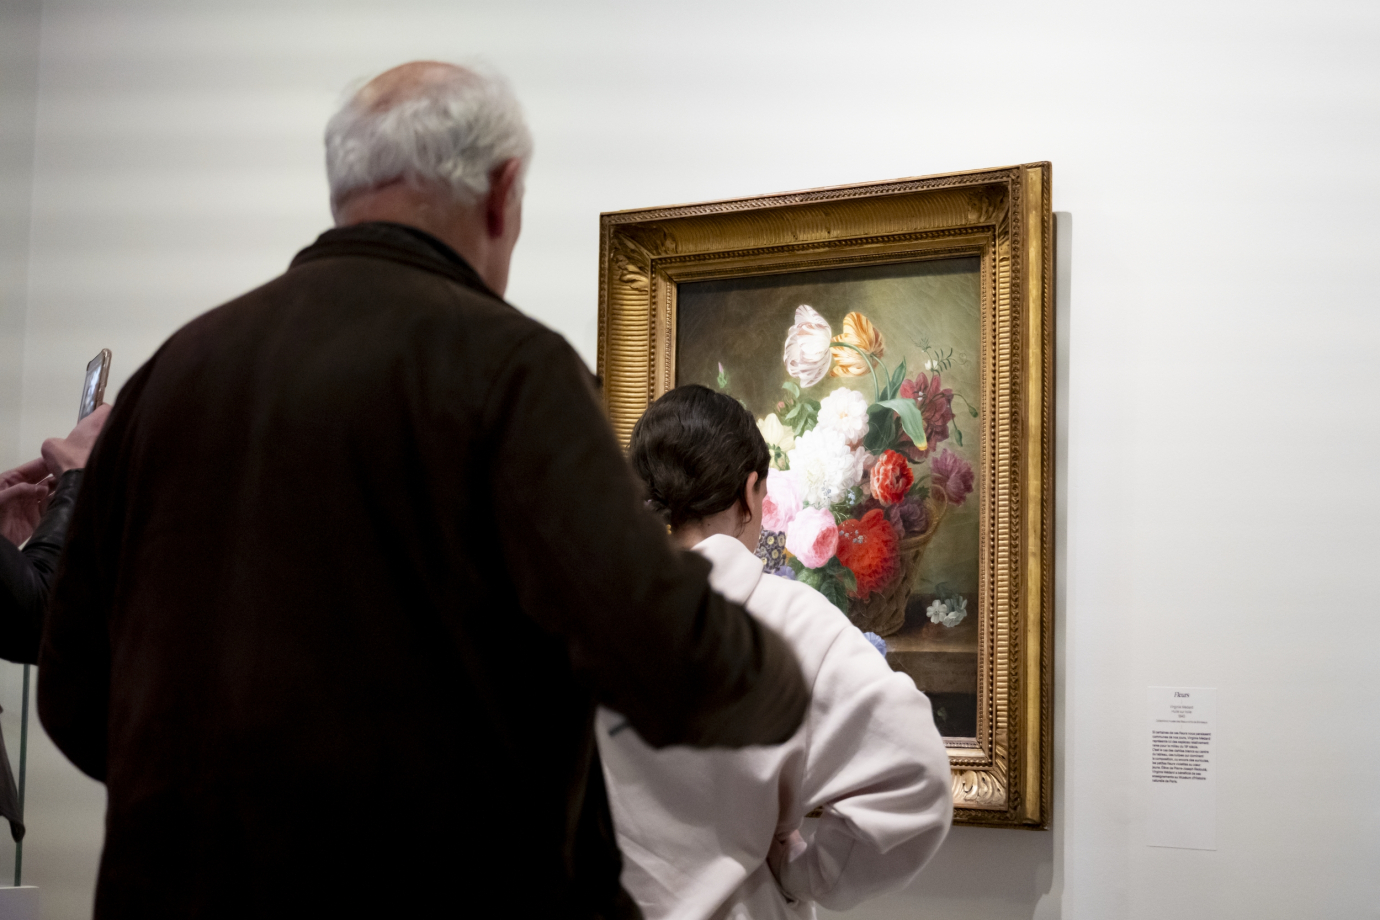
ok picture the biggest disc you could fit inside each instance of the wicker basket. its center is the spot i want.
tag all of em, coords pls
(884, 612)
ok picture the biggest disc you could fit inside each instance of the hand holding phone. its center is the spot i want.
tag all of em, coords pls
(97, 372)
(70, 453)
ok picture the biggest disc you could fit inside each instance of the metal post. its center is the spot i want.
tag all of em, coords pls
(23, 762)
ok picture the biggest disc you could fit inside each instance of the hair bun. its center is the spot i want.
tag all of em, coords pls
(694, 449)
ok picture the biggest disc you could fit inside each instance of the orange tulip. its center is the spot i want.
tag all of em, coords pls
(859, 332)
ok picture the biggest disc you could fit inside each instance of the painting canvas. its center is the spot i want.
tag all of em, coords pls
(894, 342)
(911, 324)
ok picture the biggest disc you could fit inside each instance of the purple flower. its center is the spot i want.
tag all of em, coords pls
(785, 572)
(908, 516)
(771, 549)
(860, 510)
(950, 472)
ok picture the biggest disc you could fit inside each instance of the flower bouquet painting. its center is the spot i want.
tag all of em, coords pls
(860, 480)
(894, 343)
(865, 382)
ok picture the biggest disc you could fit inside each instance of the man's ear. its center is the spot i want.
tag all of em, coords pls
(502, 186)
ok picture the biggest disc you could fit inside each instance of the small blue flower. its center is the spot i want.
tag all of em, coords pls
(785, 572)
(877, 641)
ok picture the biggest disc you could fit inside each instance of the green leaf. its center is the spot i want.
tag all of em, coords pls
(958, 432)
(790, 387)
(795, 410)
(723, 379)
(911, 419)
(809, 414)
(895, 386)
(882, 429)
(834, 591)
(812, 577)
(844, 574)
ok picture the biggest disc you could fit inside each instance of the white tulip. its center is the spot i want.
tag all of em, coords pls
(807, 354)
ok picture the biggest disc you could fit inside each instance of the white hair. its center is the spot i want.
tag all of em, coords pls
(454, 128)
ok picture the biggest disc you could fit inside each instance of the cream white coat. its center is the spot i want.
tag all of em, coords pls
(697, 827)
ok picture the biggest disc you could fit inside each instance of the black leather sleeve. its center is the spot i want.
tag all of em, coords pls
(27, 574)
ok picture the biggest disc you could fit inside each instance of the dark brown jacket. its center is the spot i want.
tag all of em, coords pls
(355, 557)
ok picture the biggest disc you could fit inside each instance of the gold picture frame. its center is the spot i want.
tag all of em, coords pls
(1000, 217)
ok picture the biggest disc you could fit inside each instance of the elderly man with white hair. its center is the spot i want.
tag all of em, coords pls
(355, 558)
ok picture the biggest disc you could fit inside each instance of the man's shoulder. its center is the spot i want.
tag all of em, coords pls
(401, 300)
(368, 280)
(356, 323)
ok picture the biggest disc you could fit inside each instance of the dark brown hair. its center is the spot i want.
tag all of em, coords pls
(694, 449)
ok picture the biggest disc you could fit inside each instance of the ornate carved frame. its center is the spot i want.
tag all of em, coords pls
(1001, 778)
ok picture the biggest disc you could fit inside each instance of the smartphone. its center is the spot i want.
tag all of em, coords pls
(94, 390)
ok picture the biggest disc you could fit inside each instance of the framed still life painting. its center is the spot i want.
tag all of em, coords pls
(894, 341)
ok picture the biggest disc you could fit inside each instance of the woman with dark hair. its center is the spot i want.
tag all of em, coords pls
(723, 833)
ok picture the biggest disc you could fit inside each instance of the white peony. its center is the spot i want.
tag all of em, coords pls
(826, 465)
(780, 439)
(845, 411)
(807, 353)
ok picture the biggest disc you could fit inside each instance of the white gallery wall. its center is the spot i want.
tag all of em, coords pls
(1216, 163)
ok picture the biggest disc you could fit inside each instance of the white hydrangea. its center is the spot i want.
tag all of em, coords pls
(948, 612)
(845, 411)
(827, 466)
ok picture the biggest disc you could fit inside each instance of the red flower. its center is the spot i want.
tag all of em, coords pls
(891, 478)
(871, 550)
(936, 407)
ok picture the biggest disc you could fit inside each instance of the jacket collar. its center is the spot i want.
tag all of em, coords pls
(396, 243)
(736, 569)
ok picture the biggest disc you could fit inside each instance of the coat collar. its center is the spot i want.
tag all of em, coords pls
(736, 569)
(396, 243)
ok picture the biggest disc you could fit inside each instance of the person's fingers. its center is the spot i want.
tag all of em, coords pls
(21, 507)
(22, 492)
(33, 471)
(55, 455)
(88, 428)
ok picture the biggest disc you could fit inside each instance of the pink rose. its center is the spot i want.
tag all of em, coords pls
(813, 537)
(782, 503)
